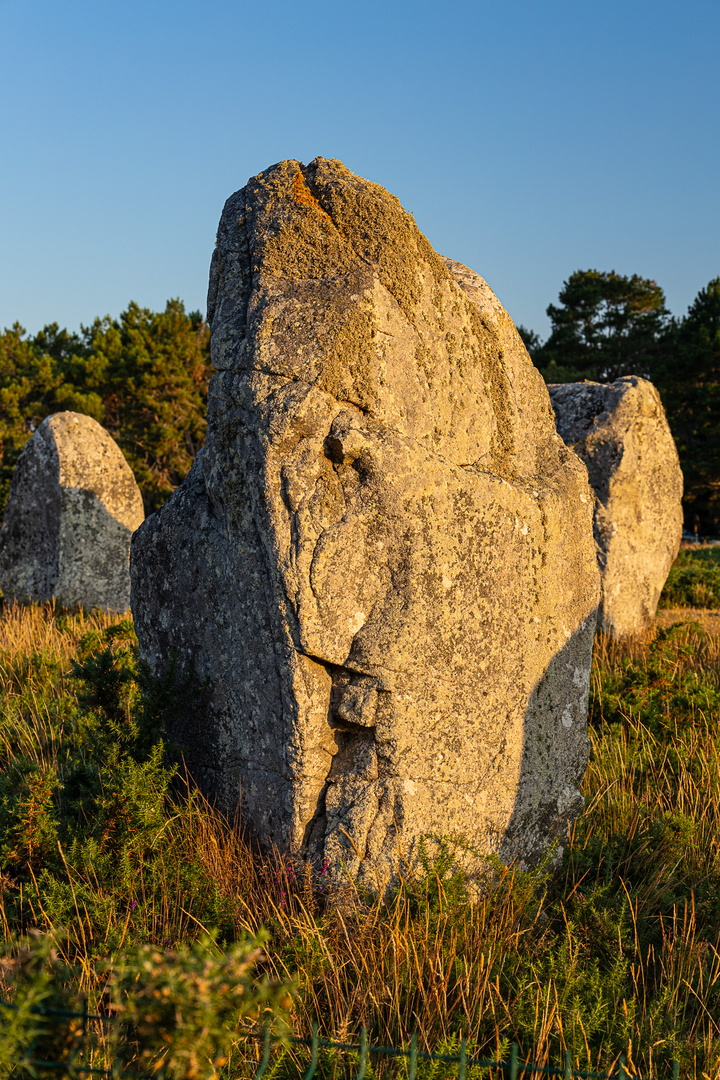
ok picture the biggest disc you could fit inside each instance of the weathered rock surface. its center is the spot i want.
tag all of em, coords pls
(383, 558)
(620, 432)
(73, 507)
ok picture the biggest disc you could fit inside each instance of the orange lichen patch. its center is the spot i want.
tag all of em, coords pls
(302, 194)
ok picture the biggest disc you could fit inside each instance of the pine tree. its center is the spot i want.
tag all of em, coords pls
(144, 377)
(28, 381)
(605, 325)
(689, 382)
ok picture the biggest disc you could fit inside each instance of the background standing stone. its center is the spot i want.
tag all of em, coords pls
(73, 507)
(620, 432)
(382, 560)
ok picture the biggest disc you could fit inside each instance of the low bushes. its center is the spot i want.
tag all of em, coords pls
(694, 580)
(615, 950)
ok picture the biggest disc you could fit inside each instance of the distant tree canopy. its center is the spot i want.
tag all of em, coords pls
(144, 377)
(689, 382)
(606, 325)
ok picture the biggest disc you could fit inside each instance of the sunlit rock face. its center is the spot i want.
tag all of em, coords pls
(73, 507)
(382, 561)
(620, 431)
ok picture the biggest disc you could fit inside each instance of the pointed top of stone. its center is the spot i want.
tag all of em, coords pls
(366, 310)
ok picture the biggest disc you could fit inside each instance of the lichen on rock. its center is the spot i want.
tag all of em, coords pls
(620, 431)
(382, 560)
(73, 507)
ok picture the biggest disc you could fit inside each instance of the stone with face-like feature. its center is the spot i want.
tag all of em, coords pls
(382, 560)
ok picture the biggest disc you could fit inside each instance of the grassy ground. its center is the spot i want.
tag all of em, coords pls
(617, 950)
(694, 580)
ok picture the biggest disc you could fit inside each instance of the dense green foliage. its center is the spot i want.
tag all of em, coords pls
(144, 377)
(86, 790)
(689, 382)
(694, 580)
(27, 381)
(617, 949)
(174, 1013)
(604, 326)
(607, 325)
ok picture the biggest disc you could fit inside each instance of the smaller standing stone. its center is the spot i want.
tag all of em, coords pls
(73, 506)
(620, 431)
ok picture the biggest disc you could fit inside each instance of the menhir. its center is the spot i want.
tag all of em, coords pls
(382, 561)
(620, 431)
(73, 507)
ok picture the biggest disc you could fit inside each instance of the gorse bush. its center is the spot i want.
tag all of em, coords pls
(41, 984)
(183, 1008)
(86, 792)
(615, 950)
(171, 1013)
(95, 840)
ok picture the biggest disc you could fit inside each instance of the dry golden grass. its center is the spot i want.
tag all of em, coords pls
(38, 636)
(618, 951)
(28, 629)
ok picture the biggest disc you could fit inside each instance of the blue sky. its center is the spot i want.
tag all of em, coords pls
(530, 138)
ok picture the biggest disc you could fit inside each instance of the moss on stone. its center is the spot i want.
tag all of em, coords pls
(319, 226)
(378, 230)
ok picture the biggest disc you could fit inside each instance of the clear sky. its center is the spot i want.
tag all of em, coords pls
(530, 138)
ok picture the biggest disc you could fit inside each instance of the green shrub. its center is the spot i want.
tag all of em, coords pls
(183, 1009)
(694, 580)
(171, 1013)
(40, 982)
(94, 833)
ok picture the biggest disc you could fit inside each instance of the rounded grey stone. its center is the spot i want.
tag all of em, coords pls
(73, 506)
(620, 431)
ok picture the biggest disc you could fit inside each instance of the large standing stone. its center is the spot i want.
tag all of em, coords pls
(382, 560)
(620, 431)
(73, 507)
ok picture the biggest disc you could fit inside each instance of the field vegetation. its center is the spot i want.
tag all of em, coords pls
(694, 580)
(134, 881)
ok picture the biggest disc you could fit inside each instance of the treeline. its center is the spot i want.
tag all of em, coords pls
(606, 325)
(143, 376)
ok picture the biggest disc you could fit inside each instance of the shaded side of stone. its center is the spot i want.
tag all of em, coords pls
(30, 533)
(73, 507)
